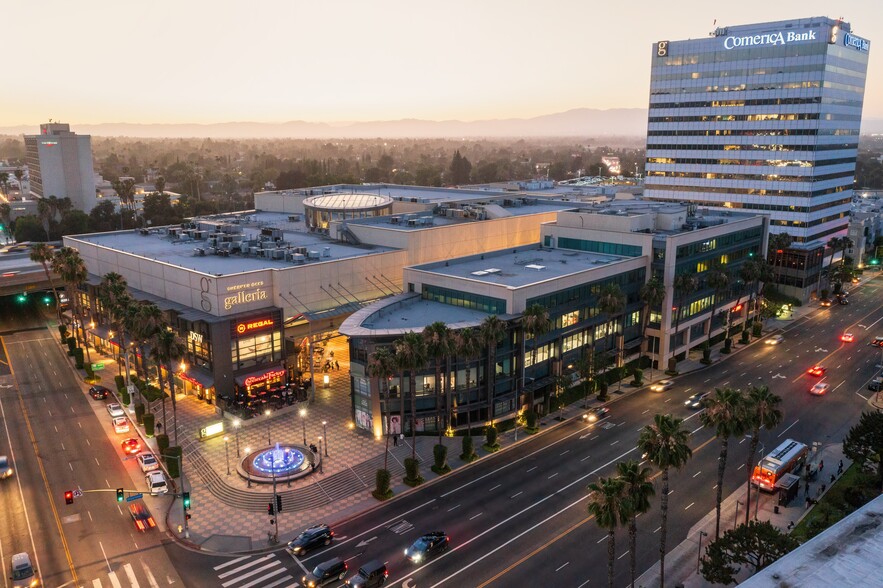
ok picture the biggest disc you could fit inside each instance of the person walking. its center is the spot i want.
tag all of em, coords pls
(395, 440)
(821, 466)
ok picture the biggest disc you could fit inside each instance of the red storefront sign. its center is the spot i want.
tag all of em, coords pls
(271, 375)
(253, 325)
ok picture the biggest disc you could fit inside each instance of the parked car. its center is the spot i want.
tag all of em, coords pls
(148, 462)
(876, 384)
(131, 446)
(121, 425)
(333, 570)
(310, 538)
(99, 392)
(371, 575)
(115, 410)
(877, 342)
(427, 546)
(825, 302)
(156, 483)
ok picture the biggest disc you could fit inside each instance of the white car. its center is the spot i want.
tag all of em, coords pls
(774, 340)
(148, 462)
(662, 385)
(819, 389)
(115, 410)
(121, 425)
(156, 483)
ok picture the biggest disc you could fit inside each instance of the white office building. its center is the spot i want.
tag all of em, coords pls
(60, 164)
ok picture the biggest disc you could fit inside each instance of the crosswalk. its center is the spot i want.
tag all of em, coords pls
(259, 571)
(125, 577)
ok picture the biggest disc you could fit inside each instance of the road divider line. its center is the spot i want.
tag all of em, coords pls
(558, 569)
(788, 427)
(475, 517)
(453, 508)
(518, 494)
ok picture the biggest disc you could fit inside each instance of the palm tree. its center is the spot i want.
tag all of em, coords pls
(778, 243)
(4, 183)
(725, 413)
(534, 324)
(19, 175)
(490, 333)
(411, 353)
(44, 212)
(6, 216)
(609, 504)
(611, 302)
(114, 297)
(382, 365)
(652, 295)
(683, 285)
(666, 444)
(765, 276)
(68, 264)
(168, 349)
(718, 279)
(468, 347)
(125, 189)
(437, 339)
(638, 489)
(148, 322)
(762, 411)
(43, 254)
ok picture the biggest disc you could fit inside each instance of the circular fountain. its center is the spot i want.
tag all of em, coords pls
(282, 462)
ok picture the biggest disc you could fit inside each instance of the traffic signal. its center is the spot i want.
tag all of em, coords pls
(22, 297)
(278, 503)
(185, 496)
(270, 510)
(121, 494)
(69, 497)
(188, 516)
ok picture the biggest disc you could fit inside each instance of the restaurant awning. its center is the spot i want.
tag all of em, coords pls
(252, 378)
(198, 376)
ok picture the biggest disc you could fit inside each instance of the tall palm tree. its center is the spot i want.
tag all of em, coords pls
(68, 264)
(490, 333)
(534, 324)
(19, 175)
(437, 340)
(4, 183)
(114, 296)
(611, 302)
(42, 254)
(468, 347)
(638, 489)
(652, 295)
(382, 365)
(6, 217)
(666, 444)
(149, 320)
(44, 213)
(718, 279)
(766, 275)
(411, 353)
(683, 285)
(125, 189)
(168, 350)
(725, 413)
(778, 243)
(609, 504)
(762, 411)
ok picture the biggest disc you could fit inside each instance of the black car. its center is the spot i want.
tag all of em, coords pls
(371, 575)
(326, 572)
(313, 537)
(877, 342)
(695, 401)
(99, 392)
(427, 546)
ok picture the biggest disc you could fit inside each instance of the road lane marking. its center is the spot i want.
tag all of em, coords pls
(740, 466)
(588, 456)
(623, 555)
(114, 581)
(614, 443)
(246, 566)
(130, 573)
(838, 385)
(495, 487)
(528, 471)
(601, 539)
(697, 473)
(518, 494)
(645, 412)
(565, 451)
(789, 426)
(475, 517)
(454, 508)
(689, 505)
(558, 569)
(694, 430)
(109, 569)
(657, 529)
(231, 562)
(552, 476)
(860, 396)
(668, 399)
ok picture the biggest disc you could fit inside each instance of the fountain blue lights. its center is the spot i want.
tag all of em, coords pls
(280, 461)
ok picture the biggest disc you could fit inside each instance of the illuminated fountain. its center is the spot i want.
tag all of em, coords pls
(284, 462)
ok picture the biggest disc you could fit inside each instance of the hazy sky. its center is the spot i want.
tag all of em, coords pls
(354, 60)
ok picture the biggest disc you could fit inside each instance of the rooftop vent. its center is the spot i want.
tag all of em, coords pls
(534, 266)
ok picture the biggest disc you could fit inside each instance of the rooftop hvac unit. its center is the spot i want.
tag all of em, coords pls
(394, 220)
(185, 238)
(268, 253)
(174, 231)
(301, 250)
(313, 255)
(144, 232)
(297, 258)
(199, 252)
(412, 222)
(252, 250)
(212, 250)
(212, 241)
(279, 254)
(199, 235)
(326, 252)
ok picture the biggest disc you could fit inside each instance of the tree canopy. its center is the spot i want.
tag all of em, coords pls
(757, 544)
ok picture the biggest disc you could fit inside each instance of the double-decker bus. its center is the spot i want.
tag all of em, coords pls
(786, 458)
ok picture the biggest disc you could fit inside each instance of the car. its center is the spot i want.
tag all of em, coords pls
(820, 388)
(156, 483)
(817, 371)
(775, 340)
(121, 425)
(5, 467)
(115, 410)
(327, 572)
(596, 414)
(23, 573)
(844, 301)
(148, 462)
(310, 538)
(876, 384)
(427, 546)
(662, 385)
(371, 575)
(855, 280)
(825, 302)
(877, 342)
(99, 392)
(695, 401)
(847, 337)
(141, 516)
(131, 446)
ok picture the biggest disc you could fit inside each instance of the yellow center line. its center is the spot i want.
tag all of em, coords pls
(565, 533)
(24, 410)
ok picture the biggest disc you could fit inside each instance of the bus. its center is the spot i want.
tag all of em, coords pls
(784, 459)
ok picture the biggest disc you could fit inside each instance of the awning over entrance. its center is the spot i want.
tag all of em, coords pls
(256, 378)
(101, 331)
(198, 376)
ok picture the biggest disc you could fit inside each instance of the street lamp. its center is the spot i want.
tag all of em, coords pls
(699, 555)
(267, 414)
(325, 433)
(236, 425)
(303, 422)
(319, 452)
(227, 452)
(247, 469)
(736, 517)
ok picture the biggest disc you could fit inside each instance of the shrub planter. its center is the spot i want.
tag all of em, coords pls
(639, 378)
(490, 437)
(530, 422)
(172, 457)
(124, 396)
(728, 344)
(382, 490)
(149, 421)
(706, 355)
(78, 357)
(162, 442)
(412, 473)
(602, 391)
(756, 330)
(468, 454)
(440, 454)
(139, 414)
(672, 367)
(746, 337)
(119, 381)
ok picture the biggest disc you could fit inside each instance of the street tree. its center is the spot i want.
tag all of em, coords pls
(757, 544)
(718, 279)
(609, 504)
(382, 366)
(43, 254)
(491, 332)
(460, 169)
(864, 443)
(411, 353)
(762, 412)
(652, 295)
(468, 348)
(611, 302)
(639, 490)
(684, 284)
(534, 324)
(437, 340)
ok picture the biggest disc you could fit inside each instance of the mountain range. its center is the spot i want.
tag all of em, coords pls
(579, 122)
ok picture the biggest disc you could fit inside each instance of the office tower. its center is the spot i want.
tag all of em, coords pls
(60, 164)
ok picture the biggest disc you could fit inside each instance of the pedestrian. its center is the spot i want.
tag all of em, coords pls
(808, 501)
(337, 365)
(823, 489)
(395, 440)
(402, 437)
(806, 490)
(821, 466)
(840, 468)
(833, 477)
(159, 427)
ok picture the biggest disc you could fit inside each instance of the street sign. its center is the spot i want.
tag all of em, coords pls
(131, 389)
(78, 493)
(134, 497)
(97, 367)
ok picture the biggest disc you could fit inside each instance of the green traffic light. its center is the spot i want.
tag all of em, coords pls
(186, 498)
(121, 494)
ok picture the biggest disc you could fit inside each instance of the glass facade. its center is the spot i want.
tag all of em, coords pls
(600, 247)
(465, 299)
(778, 109)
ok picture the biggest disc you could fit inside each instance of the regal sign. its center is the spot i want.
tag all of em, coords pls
(271, 375)
(255, 325)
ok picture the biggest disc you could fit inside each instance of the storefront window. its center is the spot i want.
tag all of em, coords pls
(249, 351)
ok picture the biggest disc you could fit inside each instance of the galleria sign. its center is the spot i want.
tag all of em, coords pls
(779, 38)
(243, 296)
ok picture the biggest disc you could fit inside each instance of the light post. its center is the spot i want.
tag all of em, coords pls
(699, 555)
(267, 413)
(247, 468)
(736, 517)
(320, 452)
(325, 433)
(236, 425)
(303, 422)
(227, 452)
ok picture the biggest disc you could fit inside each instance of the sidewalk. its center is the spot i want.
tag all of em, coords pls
(681, 563)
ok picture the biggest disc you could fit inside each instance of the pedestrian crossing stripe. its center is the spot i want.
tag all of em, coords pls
(400, 527)
(130, 575)
(254, 572)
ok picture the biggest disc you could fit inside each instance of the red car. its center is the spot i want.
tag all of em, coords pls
(817, 370)
(847, 337)
(141, 516)
(131, 446)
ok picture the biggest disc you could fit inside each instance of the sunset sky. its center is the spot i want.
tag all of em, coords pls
(204, 61)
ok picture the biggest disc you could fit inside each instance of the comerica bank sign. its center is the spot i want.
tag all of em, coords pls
(778, 38)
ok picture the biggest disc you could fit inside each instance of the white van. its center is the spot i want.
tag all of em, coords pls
(23, 575)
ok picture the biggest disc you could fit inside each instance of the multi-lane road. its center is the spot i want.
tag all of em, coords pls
(514, 517)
